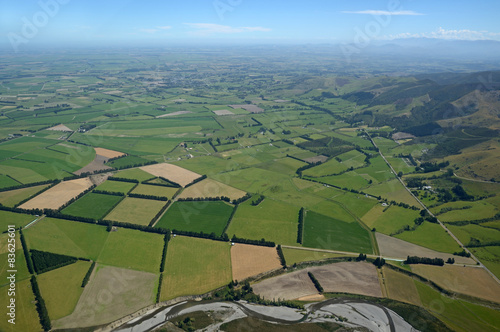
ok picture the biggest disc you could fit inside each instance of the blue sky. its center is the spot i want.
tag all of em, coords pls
(244, 21)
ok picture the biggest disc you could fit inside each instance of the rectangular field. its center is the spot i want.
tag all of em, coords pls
(272, 220)
(390, 220)
(206, 217)
(135, 210)
(431, 236)
(116, 186)
(400, 287)
(67, 237)
(161, 191)
(195, 266)
(248, 260)
(58, 195)
(26, 314)
(92, 205)
(172, 172)
(134, 174)
(133, 249)
(328, 233)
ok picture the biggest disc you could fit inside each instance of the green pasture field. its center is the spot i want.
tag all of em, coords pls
(283, 166)
(135, 210)
(479, 210)
(390, 221)
(161, 191)
(328, 233)
(23, 144)
(302, 154)
(66, 237)
(17, 219)
(333, 209)
(158, 126)
(458, 314)
(356, 203)
(61, 288)
(6, 182)
(377, 171)
(139, 146)
(129, 249)
(350, 180)
(293, 256)
(13, 197)
(431, 236)
(272, 220)
(332, 166)
(135, 174)
(195, 266)
(22, 171)
(26, 314)
(466, 232)
(92, 205)
(116, 186)
(392, 190)
(253, 180)
(126, 161)
(399, 165)
(206, 217)
(492, 224)
(489, 257)
(21, 268)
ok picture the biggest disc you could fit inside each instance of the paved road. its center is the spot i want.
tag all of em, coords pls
(430, 213)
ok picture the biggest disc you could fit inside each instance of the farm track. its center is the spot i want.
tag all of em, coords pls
(431, 214)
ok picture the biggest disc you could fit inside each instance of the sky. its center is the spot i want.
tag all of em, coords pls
(164, 22)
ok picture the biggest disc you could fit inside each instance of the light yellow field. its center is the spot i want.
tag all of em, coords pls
(400, 287)
(248, 260)
(211, 188)
(108, 153)
(58, 195)
(172, 172)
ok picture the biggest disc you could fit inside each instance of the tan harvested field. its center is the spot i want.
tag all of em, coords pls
(60, 127)
(289, 286)
(401, 287)
(171, 172)
(211, 188)
(348, 277)
(58, 195)
(248, 260)
(316, 159)
(473, 281)
(223, 112)
(110, 294)
(395, 248)
(108, 153)
(96, 165)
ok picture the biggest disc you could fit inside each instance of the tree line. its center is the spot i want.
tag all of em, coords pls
(424, 260)
(43, 314)
(46, 261)
(281, 256)
(315, 282)
(88, 274)
(300, 228)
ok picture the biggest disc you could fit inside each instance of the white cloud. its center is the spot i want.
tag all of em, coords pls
(211, 28)
(441, 33)
(384, 12)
